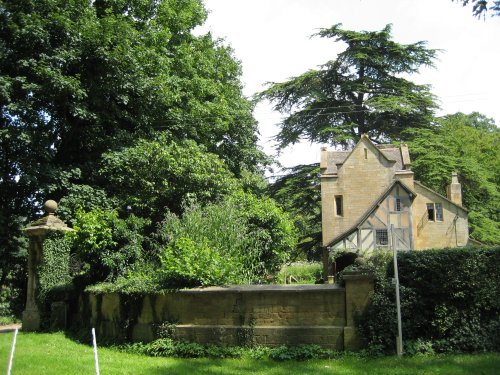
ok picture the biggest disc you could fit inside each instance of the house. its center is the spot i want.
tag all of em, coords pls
(370, 200)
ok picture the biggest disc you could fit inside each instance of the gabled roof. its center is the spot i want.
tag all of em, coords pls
(371, 209)
(390, 152)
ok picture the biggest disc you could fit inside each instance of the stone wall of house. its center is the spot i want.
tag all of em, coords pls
(264, 315)
(451, 231)
(363, 177)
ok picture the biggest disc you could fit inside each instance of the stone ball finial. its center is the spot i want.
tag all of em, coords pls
(50, 207)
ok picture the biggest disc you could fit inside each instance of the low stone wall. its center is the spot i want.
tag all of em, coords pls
(265, 315)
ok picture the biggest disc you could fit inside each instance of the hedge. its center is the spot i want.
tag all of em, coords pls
(449, 302)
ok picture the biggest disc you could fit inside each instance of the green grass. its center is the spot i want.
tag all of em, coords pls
(56, 354)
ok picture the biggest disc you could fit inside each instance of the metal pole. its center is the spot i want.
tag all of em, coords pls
(95, 352)
(11, 358)
(399, 338)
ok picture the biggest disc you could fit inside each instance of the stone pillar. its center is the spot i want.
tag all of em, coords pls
(359, 288)
(37, 231)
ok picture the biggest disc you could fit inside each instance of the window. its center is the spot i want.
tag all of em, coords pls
(338, 205)
(430, 211)
(439, 212)
(397, 204)
(381, 238)
(366, 153)
(435, 211)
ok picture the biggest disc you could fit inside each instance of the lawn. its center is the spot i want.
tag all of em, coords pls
(56, 354)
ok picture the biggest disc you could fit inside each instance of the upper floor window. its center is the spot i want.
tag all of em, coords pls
(339, 209)
(435, 211)
(397, 204)
(430, 211)
(439, 211)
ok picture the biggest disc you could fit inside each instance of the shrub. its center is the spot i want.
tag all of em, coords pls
(186, 263)
(239, 240)
(449, 298)
(302, 272)
(106, 244)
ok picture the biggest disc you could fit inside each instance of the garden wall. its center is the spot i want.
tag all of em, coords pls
(263, 314)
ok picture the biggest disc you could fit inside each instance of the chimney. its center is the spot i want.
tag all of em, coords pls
(323, 164)
(454, 190)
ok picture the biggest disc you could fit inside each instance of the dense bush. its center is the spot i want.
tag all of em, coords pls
(105, 244)
(242, 239)
(154, 176)
(449, 302)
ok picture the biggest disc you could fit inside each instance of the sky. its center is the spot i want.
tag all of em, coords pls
(272, 40)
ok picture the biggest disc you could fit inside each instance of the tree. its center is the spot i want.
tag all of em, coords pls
(467, 144)
(298, 193)
(153, 177)
(82, 78)
(362, 91)
(480, 7)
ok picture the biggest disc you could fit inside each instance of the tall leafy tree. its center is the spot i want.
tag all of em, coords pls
(364, 90)
(80, 78)
(467, 144)
(153, 177)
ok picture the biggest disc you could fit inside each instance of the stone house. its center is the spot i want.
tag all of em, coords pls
(370, 200)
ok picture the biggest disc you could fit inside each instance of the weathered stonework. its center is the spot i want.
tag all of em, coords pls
(36, 232)
(266, 315)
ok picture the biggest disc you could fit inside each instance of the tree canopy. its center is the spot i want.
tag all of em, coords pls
(81, 79)
(364, 90)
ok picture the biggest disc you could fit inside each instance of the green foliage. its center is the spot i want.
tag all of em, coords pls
(361, 91)
(53, 271)
(85, 198)
(468, 145)
(480, 7)
(106, 244)
(302, 273)
(82, 78)
(300, 353)
(419, 347)
(449, 302)
(167, 347)
(155, 176)
(298, 193)
(239, 240)
(186, 263)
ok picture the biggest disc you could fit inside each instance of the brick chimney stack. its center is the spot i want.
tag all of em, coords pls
(454, 190)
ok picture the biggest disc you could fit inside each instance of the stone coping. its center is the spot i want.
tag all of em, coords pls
(265, 288)
(356, 275)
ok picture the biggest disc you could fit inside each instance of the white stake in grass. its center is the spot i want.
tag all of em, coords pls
(9, 369)
(95, 352)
